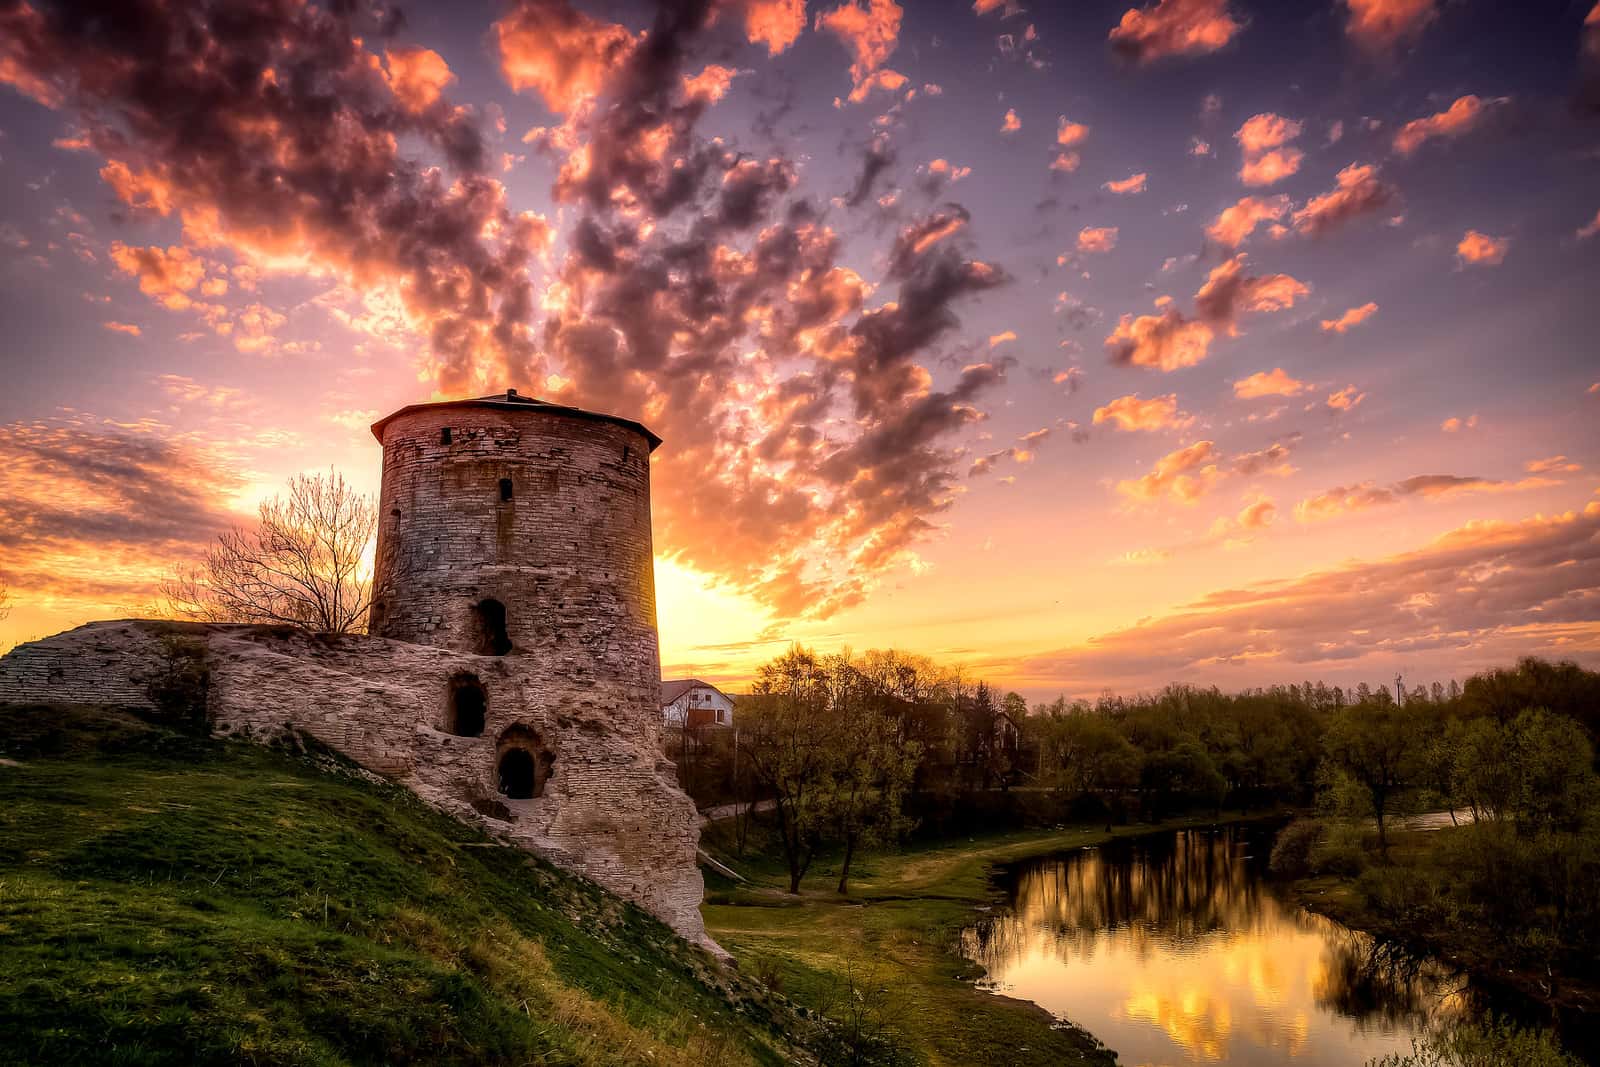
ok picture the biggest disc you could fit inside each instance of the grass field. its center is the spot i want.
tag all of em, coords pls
(165, 899)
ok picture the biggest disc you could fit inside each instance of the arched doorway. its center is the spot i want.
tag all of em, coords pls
(467, 705)
(523, 764)
(489, 628)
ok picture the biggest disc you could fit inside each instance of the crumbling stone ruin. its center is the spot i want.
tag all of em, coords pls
(511, 672)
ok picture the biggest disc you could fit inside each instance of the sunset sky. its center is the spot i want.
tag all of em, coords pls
(1089, 346)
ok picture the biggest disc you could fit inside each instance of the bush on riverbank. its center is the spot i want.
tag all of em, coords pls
(1488, 1045)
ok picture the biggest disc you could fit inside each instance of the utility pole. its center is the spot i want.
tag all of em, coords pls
(1399, 691)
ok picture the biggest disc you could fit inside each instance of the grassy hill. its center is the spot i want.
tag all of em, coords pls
(170, 899)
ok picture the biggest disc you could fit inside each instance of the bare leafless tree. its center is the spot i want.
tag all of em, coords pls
(5, 598)
(302, 564)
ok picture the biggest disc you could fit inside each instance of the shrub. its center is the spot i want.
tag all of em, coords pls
(180, 687)
(1291, 852)
(1405, 894)
(1341, 850)
(1491, 1044)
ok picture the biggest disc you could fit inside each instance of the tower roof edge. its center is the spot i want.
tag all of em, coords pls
(511, 400)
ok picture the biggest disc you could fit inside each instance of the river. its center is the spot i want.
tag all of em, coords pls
(1173, 949)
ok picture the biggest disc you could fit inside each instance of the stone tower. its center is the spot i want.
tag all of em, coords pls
(513, 527)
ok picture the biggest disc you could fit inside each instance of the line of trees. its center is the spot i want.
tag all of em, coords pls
(854, 750)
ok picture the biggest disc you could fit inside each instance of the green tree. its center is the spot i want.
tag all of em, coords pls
(1377, 744)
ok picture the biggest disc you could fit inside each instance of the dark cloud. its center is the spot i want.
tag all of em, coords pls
(269, 127)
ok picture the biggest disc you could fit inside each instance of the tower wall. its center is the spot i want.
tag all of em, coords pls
(568, 555)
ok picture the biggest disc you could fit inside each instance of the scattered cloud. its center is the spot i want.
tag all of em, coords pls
(1353, 317)
(1479, 249)
(123, 327)
(1184, 475)
(1552, 465)
(1459, 118)
(1093, 239)
(1174, 28)
(1132, 413)
(1129, 186)
(1380, 25)
(1590, 229)
(1238, 222)
(1346, 399)
(1170, 340)
(1455, 424)
(1010, 124)
(869, 31)
(1344, 499)
(1357, 191)
(1070, 134)
(776, 24)
(1268, 157)
(1269, 383)
(559, 52)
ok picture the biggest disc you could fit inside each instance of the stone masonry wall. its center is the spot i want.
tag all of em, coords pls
(610, 811)
(569, 555)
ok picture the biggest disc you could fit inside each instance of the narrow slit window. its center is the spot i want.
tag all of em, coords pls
(505, 489)
(444, 436)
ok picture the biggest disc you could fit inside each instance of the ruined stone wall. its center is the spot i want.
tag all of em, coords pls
(610, 809)
(569, 555)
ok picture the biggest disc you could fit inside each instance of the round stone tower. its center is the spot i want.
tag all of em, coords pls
(510, 527)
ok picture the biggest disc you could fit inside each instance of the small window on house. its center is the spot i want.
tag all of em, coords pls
(627, 450)
(467, 705)
(720, 719)
(505, 489)
(444, 436)
(490, 636)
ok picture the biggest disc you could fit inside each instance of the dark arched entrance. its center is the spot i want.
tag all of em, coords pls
(467, 706)
(518, 780)
(489, 628)
(523, 764)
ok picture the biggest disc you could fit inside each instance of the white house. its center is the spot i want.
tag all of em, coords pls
(689, 701)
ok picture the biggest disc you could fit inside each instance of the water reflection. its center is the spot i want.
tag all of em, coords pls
(1172, 950)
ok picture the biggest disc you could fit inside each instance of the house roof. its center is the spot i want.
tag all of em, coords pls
(673, 689)
(511, 400)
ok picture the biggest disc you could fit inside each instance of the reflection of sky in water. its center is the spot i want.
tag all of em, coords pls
(1171, 951)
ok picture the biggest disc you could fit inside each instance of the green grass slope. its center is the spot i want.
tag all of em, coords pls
(167, 899)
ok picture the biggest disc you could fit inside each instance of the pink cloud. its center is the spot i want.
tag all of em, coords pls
(123, 327)
(1357, 191)
(562, 54)
(1132, 413)
(1166, 342)
(1457, 119)
(1097, 239)
(1353, 317)
(869, 31)
(1129, 186)
(1069, 134)
(1455, 424)
(1480, 249)
(1264, 139)
(1346, 399)
(1174, 28)
(1238, 222)
(1268, 383)
(1379, 25)
(1593, 226)
(1010, 124)
(417, 76)
(777, 24)
(1184, 475)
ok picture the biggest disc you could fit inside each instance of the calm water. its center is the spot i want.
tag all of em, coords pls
(1172, 949)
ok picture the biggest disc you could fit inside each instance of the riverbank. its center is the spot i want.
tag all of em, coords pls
(894, 943)
(1416, 856)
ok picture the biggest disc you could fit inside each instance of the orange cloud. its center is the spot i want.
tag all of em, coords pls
(1456, 425)
(1353, 317)
(1268, 383)
(1002, 337)
(1271, 167)
(123, 327)
(1257, 516)
(1457, 119)
(1357, 191)
(1379, 25)
(1239, 221)
(1593, 226)
(711, 84)
(1343, 499)
(1184, 475)
(869, 33)
(1346, 399)
(1552, 465)
(1097, 239)
(1131, 413)
(164, 275)
(774, 23)
(1479, 249)
(417, 76)
(559, 52)
(1263, 139)
(1065, 161)
(1010, 124)
(1129, 186)
(1070, 134)
(1174, 28)
(1166, 342)
(1229, 292)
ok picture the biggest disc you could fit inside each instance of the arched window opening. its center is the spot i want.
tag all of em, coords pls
(444, 436)
(467, 706)
(505, 490)
(489, 628)
(524, 764)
